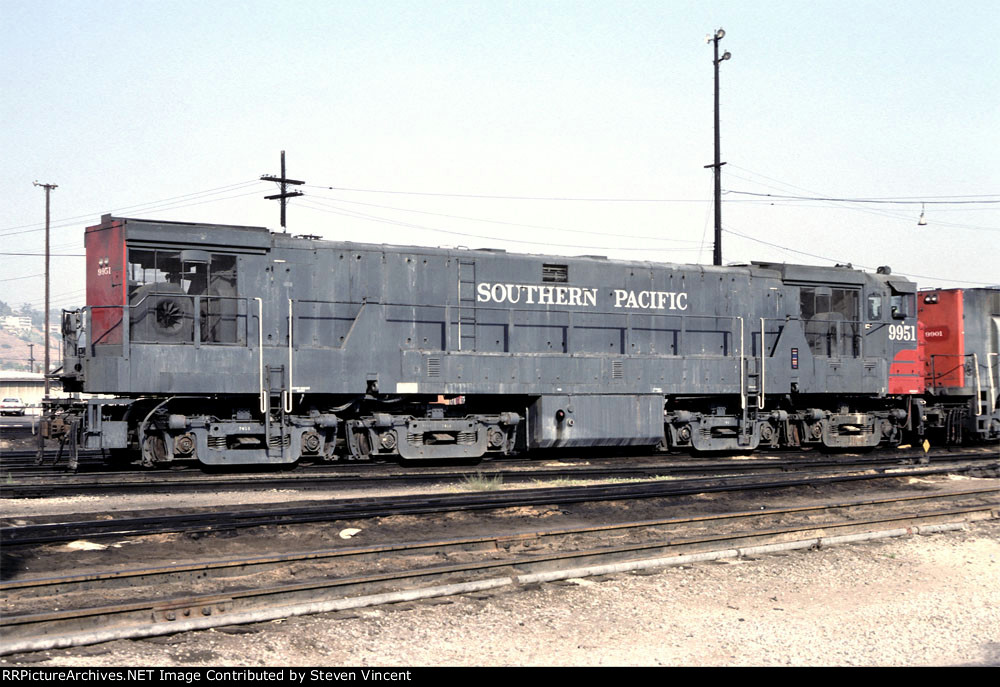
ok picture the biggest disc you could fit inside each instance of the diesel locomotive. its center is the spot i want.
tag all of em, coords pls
(233, 345)
(959, 336)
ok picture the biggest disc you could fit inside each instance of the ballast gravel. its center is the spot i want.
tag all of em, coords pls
(911, 601)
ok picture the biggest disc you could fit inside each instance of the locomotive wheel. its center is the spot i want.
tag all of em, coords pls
(364, 445)
(154, 450)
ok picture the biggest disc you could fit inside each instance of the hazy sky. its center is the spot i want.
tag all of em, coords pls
(173, 110)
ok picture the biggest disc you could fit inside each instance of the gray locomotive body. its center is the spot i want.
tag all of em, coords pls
(233, 345)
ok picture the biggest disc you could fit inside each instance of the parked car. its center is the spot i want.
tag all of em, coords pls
(12, 406)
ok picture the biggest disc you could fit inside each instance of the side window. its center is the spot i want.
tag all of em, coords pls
(830, 320)
(159, 310)
(875, 307)
(807, 302)
(149, 268)
(845, 302)
(221, 318)
(902, 306)
(165, 288)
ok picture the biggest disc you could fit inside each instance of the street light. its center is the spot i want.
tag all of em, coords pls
(717, 252)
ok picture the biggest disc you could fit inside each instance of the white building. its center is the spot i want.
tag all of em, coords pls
(29, 387)
(15, 323)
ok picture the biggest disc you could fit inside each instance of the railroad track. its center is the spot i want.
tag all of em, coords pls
(215, 520)
(159, 600)
(19, 484)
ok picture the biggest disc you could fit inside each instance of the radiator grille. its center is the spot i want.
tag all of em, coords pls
(555, 273)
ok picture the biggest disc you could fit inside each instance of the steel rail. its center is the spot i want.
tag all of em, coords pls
(162, 616)
(202, 521)
(48, 484)
(247, 565)
(124, 483)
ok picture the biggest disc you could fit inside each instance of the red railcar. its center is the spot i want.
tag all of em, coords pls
(959, 343)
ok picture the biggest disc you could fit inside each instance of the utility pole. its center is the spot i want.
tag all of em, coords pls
(45, 372)
(285, 194)
(717, 252)
(31, 357)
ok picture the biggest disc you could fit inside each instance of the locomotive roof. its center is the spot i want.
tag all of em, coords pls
(237, 237)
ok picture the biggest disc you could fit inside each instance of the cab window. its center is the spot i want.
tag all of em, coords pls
(875, 307)
(902, 306)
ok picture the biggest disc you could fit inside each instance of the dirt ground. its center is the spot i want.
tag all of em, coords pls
(914, 601)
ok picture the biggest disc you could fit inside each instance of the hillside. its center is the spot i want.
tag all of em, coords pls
(15, 352)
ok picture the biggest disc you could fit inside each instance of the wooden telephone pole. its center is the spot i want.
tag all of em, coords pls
(285, 193)
(47, 369)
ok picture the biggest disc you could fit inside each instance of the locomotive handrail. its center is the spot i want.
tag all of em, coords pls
(989, 371)
(979, 389)
(130, 308)
(260, 356)
(993, 391)
(88, 319)
(682, 320)
(760, 397)
(836, 336)
(497, 308)
(743, 375)
(935, 376)
(286, 400)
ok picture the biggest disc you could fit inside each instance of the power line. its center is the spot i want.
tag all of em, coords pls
(784, 248)
(839, 261)
(54, 255)
(867, 210)
(27, 276)
(494, 221)
(492, 197)
(811, 191)
(151, 205)
(884, 201)
(374, 218)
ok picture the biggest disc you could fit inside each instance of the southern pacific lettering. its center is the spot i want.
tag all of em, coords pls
(535, 294)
